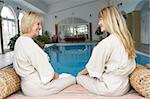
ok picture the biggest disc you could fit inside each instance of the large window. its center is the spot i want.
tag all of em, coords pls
(9, 26)
(76, 30)
(73, 27)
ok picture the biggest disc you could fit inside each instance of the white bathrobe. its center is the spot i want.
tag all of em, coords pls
(109, 68)
(32, 65)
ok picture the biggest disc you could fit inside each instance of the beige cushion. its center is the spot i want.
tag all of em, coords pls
(140, 80)
(9, 82)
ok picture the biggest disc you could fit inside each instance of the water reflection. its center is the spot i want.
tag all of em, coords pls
(69, 58)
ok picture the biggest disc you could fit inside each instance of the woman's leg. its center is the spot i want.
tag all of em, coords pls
(87, 82)
(59, 84)
(34, 87)
(93, 85)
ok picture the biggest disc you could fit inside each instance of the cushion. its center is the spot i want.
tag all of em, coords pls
(140, 80)
(9, 82)
(76, 92)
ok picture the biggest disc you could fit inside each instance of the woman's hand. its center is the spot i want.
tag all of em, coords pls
(56, 75)
(83, 72)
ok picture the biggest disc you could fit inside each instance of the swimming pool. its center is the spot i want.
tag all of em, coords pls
(142, 58)
(69, 58)
(72, 58)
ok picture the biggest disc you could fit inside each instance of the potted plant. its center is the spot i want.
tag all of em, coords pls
(41, 40)
(12, 41)
(101, 34)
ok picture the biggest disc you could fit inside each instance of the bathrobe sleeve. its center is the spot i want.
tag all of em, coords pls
(39, 60)
(98, 59)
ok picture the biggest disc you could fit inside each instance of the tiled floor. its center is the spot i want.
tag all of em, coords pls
(6, 59)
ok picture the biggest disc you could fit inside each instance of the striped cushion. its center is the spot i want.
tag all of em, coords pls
(9, 82)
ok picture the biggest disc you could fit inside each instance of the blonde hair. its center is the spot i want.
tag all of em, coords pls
(115, 23)
(28, 20)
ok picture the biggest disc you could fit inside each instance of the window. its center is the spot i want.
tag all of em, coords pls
(77, 30)
(73, 27)
(9, 26)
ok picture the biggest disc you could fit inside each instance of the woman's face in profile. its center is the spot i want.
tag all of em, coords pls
(101, 24)
(36, 28)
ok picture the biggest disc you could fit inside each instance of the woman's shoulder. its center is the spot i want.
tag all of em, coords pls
(110, 42)
(24, 39)
(111, 39)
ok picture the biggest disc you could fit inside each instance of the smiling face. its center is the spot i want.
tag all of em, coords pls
(101, 24)
(36, 28)
(31, 24)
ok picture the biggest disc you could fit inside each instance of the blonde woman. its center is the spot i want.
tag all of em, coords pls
(31, 63)
(112, 60)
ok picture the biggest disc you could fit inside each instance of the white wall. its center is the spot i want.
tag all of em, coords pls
(145, 30)
(81, 11)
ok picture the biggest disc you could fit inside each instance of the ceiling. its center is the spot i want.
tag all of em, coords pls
(50, 2)
(44, 4)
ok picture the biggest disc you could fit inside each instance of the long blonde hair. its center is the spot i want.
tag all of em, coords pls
(115, 23)
(29, 18)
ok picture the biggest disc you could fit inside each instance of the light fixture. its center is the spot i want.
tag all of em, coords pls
(120, 4)
(19, 8)
(55, 16)
(90, 15)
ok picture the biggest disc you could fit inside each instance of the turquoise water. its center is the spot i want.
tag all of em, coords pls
(142, 58)
(73, 58)
(69, 58)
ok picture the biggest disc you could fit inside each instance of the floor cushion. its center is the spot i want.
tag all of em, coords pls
(77, 92)
(9, 82)
(140, 80)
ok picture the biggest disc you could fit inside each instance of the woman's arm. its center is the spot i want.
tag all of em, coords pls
(83, 72)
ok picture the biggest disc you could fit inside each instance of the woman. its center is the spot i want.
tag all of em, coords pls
(31, 62)
(112, 60)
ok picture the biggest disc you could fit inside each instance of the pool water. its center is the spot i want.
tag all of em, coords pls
(142, 58)
(72, 58)
(69, 58)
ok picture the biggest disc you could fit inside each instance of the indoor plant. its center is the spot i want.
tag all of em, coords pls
(41, 40)
(12, 41)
